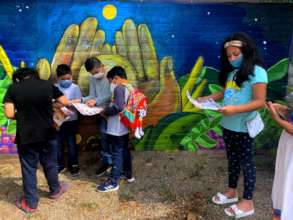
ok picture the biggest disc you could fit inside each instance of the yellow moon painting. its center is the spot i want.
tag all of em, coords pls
(109, 12)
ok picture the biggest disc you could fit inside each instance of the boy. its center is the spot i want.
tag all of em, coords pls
(99, 95)
(117, 133)
(68, 129)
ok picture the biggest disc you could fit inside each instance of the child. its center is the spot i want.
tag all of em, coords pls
(68, 129)
(117, 133)
(282, 194)
(99, 95)
(244, 82)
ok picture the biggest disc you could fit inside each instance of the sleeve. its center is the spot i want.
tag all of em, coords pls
(118, 103)
(9, 97)
(260, 75)
(105, 97)
(91, 92)
(77, 94)
(56, 92)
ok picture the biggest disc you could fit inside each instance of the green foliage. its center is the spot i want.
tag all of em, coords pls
(198, 134)
(278, 70)
(169, 131)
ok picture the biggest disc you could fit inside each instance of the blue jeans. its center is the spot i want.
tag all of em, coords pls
(66, 135)
(30, 155)
(106, 151)
(121, 156)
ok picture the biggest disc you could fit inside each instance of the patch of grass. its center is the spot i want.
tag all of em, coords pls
(89, 205)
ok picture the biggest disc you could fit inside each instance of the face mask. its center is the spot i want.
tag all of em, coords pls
(65, 83)
(112, 87)
(98, 75)
(237, 62)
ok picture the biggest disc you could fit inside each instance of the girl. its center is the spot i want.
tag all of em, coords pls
(282, 194)
(244, 82)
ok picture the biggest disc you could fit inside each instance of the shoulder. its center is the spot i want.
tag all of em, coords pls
(259, 75)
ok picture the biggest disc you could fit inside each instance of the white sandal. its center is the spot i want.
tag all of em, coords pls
(221, 199)
(237, 213)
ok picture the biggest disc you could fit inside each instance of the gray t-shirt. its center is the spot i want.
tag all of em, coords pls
(115, 127)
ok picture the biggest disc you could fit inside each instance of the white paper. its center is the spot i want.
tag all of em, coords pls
(86, 110)
(61, 115)
(209, 104)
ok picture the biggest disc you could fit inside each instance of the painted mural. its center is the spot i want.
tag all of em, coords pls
(166, 49)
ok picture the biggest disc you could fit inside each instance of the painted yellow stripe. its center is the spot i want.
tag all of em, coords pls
(6, 62)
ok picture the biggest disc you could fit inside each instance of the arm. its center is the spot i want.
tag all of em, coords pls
(118, 103)
(283, 123)
(9, 110)
(91, 92)
(259, 97)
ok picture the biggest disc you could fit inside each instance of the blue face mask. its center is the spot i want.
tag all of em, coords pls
(65, 83)
(237, 62)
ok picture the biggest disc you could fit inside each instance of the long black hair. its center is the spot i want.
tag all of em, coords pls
(22, 73)
(251, 58)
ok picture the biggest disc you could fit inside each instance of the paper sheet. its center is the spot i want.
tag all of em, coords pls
(86, 110)
(209, 104)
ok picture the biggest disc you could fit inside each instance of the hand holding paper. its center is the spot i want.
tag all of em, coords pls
(208, 104)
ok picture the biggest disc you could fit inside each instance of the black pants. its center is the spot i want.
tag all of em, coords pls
(240, 153)
(66, 135)
(30, 155)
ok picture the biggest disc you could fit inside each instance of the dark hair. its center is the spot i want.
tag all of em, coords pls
(62, 70)
(251, 58)
(22, 73)
(91, 63)
(117, 71)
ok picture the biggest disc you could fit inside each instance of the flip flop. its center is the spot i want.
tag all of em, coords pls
(221, 199)
(237, 213)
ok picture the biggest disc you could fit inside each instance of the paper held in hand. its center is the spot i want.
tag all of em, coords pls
(86, 110)
(209, 104)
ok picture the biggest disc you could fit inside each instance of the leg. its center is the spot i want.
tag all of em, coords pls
(118, 145)
(48, 160)
(70, 133)
(232, 152)
(248, 165)
(29, 157)
(60, 148)
(127, 160)
(106, 149)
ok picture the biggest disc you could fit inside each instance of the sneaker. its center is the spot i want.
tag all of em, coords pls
(21, 204)
(74, 170)
(108, 187)
(130, 179)
(63, 188)
(103, 169)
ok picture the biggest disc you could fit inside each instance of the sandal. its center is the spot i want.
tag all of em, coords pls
(221, 199)
(234, 211)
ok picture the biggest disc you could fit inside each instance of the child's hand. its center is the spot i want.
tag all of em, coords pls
(273, 108)
(228, 110)
(91, 102)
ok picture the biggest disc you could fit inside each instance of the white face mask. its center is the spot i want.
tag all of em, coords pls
(98, 75)
(112, 87)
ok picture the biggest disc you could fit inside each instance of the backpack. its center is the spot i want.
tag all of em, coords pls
(135, 110)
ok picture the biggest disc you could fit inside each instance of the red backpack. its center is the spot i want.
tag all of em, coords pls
(135, 110)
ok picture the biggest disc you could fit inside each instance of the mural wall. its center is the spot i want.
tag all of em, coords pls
(166, 49)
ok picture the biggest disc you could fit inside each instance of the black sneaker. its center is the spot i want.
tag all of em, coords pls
(103, 169)
(74, 170)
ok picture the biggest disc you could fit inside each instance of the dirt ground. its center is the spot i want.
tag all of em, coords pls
(168, 186)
